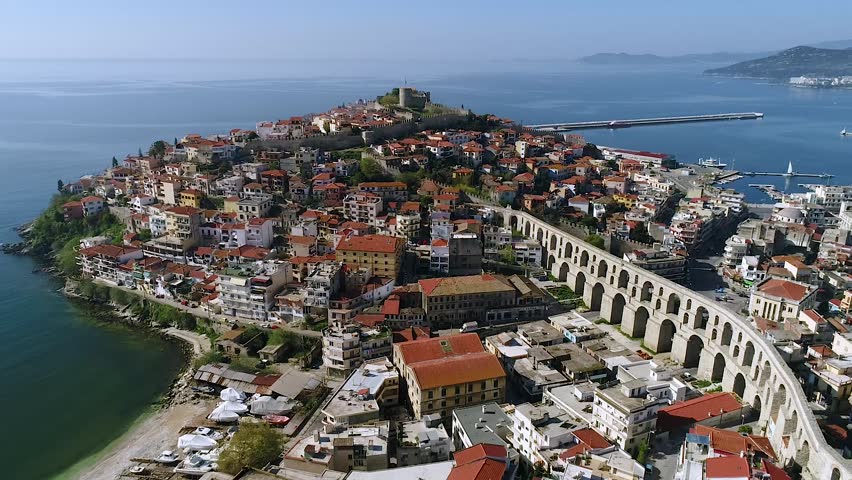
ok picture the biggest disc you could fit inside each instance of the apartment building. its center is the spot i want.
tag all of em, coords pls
(103, 261)
(248, 290)
(380, 253)
(423, 441)
(626, 413)
(346, 346)
(661, 262)
(537, 429)
(374, 385)
(322, 283)
(184, 225)
(397, 191)
(363, 207)
(445, 373)
(92, 205)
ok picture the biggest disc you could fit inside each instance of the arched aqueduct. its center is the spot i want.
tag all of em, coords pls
(698, 332)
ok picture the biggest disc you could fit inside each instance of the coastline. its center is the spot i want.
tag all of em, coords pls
(154, 430)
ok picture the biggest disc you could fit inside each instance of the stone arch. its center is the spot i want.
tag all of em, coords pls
(716, 320)
(756, 374)
(584, 259)
(580, 284)
(617, 309)
(633, 292)
(739, 385)
(748, 355)
(659, 305)
(689, 304)
(569, 250)
(666, 338)
(778, 400)
(550, 261)
(718, 368)
(702, 316)
(685, 319)
(740, 337)
(736, 351)
(660, 292)
(646, 293)
(597, 297)
(603, 267)
(767, 371)
(757, 403)
(673, 303)
(803, 455)
(640, 322)
(835, 473)
(539, 235)
(727, 333)
(623, 279)
(694, 346)
(791, 424)
(553, 243)
(513, 222)
(527, 228)
(563, 272)
(713, 335)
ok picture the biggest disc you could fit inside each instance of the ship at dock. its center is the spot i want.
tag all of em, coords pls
(711, 162)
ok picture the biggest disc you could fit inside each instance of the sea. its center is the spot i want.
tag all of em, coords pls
(72, 385)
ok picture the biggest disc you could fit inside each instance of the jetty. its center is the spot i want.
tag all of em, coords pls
(636, 122)
(789, 173)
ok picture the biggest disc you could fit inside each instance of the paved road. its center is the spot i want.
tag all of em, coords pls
(200, 343)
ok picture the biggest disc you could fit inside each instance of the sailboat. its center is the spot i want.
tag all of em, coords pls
(790, 171)
(844, 133)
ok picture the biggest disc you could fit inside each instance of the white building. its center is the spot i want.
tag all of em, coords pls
(527, 252)
(363, 207)
(626, 413)
(779, 300)
(346, 347)
(736, 247)
(249, 291)
(423, 441)
(749, 270)
(538, 428)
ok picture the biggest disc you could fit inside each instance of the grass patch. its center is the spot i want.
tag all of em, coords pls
(645, 347)
(600, 321)
(562, 293)
(717, 388)
(628, 335)
(703, 383)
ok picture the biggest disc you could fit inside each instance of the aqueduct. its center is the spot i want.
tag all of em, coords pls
(698, 332)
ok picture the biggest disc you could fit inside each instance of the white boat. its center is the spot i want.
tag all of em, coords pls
(195, 465)
(236, 407)
(844, 132)
(232, 395)
(711, 162)
(220, 415)
(196, 442)
(167, 457)
(209, 432)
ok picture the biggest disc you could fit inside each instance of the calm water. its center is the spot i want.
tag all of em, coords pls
(72, 386)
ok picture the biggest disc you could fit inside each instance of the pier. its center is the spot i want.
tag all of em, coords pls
(789, 173)
(567, 126)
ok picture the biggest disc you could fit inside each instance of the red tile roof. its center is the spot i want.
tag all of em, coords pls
(775, 472)
(784, 289)
(371, 243)
(727, 467)
(478, 452)
(456, 370)
(479, 463)
(732, 442)
(695, 410)
(440, 347)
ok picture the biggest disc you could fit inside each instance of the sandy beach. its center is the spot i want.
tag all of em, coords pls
(158, 431)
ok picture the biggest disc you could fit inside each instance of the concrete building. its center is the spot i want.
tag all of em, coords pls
(444, 373)
(184, 225)
(537, 429)
(346, 346)
(423, 441)
(662, 263)
(779, 300)
(380, 253)
(465, 254)
(736, 248)
(323, 282)
(626, 413)
(363, 207)
(248, 291)
(373, 386)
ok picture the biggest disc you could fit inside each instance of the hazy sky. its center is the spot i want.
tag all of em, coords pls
(434, 29)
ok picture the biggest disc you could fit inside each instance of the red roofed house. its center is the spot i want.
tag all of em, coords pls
(704, 408)
(445, 373)
(102, 261)
(381, 253)
(728, 468)
(779, 300)
(482, 462)
(72, 210)
(92, 205)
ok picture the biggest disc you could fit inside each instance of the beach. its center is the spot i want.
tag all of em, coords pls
(155, 431)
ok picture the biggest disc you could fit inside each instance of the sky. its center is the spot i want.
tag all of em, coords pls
(433, 30)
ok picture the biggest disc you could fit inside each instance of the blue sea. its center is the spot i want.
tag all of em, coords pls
(71, 385)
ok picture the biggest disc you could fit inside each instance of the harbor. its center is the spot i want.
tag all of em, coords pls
(562, 127)
(789, 173)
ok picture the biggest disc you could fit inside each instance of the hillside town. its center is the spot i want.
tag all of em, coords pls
(405, 289)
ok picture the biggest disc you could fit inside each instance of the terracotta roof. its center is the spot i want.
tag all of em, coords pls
(478, 452)
(371, 243)
(459, 285)
(302, 240)
(695, 410)
(183, 210)
(784, 289)
(107, 250)
(775, 472)
(727, 467)
(440, 347)
(461, 369)
(91, 198)
(732, 442)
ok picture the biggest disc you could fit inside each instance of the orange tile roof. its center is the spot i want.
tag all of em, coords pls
(479, 462)
(732, 442)
(727, 467)
(434, 348)
(370, 243)
(461, 369)
(478, 452)
(695, 410)
(784, 289)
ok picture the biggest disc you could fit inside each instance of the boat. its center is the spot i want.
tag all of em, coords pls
(196, 442)
(711, 162)
(137, 470)
(844, 133)
(209, 433)
(277, 420)
(167, 457)
(195, 465)
(220, 415)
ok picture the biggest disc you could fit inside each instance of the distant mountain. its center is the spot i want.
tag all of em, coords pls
(794, 62)
(650, 59)
(834, 44)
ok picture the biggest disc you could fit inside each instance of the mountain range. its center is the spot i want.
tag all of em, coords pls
(793, 62)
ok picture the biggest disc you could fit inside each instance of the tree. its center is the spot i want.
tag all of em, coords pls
(60, 185)
(186, 321)
(114, 162)
(640, 234)
(507, 254)
(140, 151)
(254, 445)
(590, 222)
(642, 453)
(176, 142)
(157, 149)
(541, 183)
(596, 240)
(591, 150)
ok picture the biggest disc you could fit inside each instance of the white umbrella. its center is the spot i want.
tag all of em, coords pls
(238, 408)
(220, 415)
(196, 442)
(232, 395)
